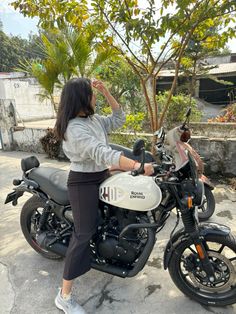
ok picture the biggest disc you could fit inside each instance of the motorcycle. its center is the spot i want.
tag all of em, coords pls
(133, 209)
(181, 137)
(167, 161)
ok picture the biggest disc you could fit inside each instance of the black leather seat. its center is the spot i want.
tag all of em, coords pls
(53, 182)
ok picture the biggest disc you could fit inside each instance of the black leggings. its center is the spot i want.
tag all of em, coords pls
(83, 189)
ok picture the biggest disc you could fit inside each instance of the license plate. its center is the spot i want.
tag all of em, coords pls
(13, 197)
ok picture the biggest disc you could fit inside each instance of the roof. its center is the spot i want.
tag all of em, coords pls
(10, 75)
(224, 68)
(220, 69)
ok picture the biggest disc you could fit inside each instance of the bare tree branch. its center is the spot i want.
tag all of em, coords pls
(121, 38)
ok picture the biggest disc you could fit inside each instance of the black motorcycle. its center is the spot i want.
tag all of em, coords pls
(201, 258)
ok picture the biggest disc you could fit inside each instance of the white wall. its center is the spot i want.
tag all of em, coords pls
(28, 104)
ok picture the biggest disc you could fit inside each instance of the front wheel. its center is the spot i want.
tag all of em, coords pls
(206, 210)
(186, 271)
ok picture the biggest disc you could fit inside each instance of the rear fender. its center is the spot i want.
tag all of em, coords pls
(19, 191)
(205, 229)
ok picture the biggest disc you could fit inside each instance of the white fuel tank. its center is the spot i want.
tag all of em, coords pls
(139, 193)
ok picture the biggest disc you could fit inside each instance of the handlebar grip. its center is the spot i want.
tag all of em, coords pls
(138, 171)
(134, 173)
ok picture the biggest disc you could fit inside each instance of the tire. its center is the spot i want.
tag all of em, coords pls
(207, 209)
(189, 284)
(28, 211)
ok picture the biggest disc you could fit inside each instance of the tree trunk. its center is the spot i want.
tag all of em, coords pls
(150, 91)
(53, 104)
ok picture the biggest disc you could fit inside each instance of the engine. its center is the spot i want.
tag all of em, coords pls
(125, 250)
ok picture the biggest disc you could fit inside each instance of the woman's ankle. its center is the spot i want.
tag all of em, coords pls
(66, 288)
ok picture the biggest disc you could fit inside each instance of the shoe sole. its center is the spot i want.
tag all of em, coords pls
(59, 306)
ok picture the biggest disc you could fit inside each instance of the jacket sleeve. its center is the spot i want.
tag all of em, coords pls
(113, 121)
(86, 146)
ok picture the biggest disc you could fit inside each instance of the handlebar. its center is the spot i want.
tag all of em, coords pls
(186, 120)
(141, 168)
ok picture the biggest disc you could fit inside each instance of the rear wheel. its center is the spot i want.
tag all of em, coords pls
(29, 219)
(186, 271)
(206, 210)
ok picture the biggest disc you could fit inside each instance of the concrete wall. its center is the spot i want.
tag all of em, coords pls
(218, 154)
(28, 140)
(214, 130)
(216, 143)
(7, 123)
(25, 92)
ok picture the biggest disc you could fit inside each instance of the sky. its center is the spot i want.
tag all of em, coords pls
(16, 24)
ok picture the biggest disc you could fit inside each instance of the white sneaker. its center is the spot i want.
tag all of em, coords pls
(69, 306)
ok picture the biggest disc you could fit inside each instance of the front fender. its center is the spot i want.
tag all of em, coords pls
(205, 229)
(207, 182)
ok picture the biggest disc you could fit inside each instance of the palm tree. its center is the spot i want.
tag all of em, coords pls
(66, 53)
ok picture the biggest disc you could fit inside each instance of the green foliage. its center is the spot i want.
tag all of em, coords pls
(66, 53)
(133, 123)
(178, 108)
(143, 34)
(123, 83)
(126, 135)
(128, 140)
(14, 48)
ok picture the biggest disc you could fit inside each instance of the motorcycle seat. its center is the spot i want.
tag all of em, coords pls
(53, 182)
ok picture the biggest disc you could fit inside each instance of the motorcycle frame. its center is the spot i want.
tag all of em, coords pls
(192, 231)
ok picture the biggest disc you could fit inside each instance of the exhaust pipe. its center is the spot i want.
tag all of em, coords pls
(57, 248)
(44, 240)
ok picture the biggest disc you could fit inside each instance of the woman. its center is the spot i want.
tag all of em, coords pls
(85, 143)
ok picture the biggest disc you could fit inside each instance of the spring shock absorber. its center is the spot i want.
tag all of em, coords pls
(187, 216)
(44, 217)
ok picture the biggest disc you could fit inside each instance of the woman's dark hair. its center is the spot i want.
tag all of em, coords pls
(76, 98)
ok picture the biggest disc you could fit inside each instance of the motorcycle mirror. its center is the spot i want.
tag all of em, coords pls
(138, 147)
(188, 112)
(187, 118)
(185, 136)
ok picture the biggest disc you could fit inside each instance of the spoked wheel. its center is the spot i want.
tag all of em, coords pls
(206, 210)
(186, 271)
(29, 220)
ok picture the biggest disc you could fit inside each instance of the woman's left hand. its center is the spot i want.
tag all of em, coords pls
(100, 87)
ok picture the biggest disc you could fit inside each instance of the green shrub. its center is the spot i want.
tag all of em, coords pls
(128, 140)
(178, 108)
(51, 144)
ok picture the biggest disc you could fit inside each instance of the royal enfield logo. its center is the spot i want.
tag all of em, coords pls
(137, 195)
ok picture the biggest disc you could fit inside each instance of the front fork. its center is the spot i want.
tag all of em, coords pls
(191, 227)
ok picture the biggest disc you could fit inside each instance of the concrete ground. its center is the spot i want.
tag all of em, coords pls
(29, 282)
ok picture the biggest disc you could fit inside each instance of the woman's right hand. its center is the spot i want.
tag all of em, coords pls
(149, 170)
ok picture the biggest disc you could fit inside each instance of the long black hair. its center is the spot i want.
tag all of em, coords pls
(76, 98)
